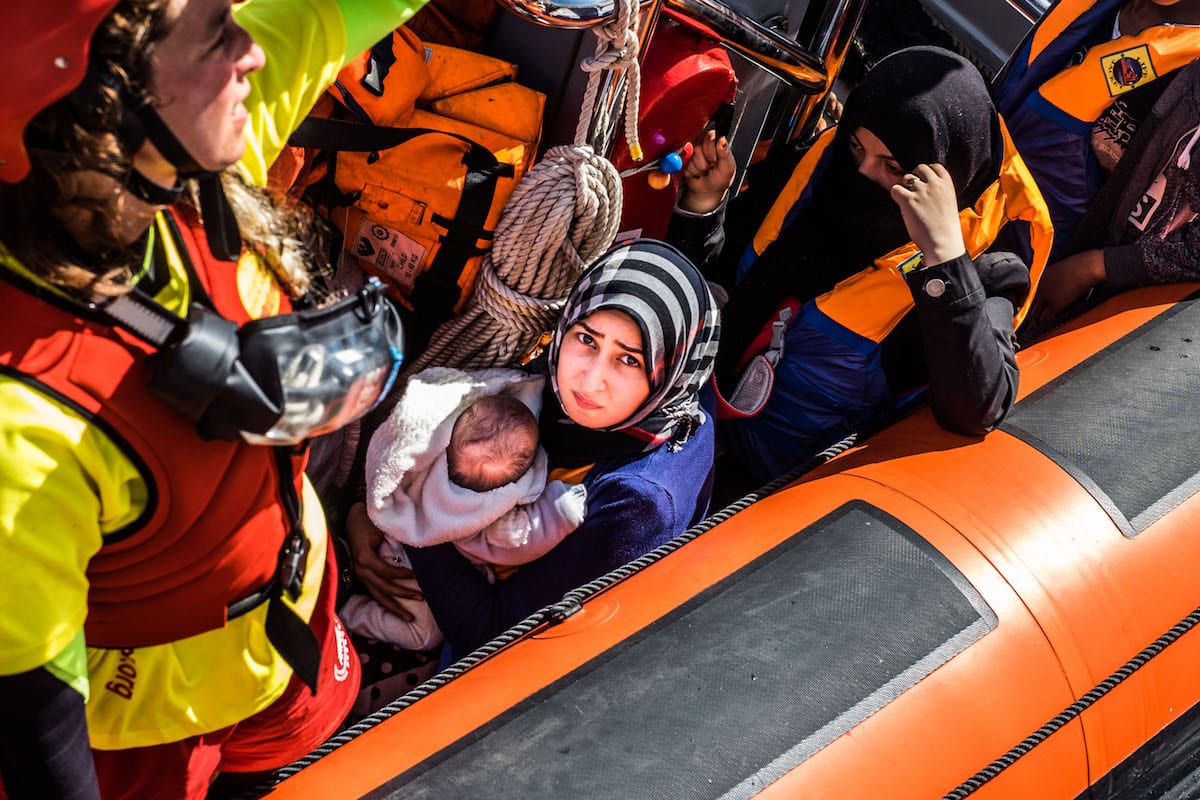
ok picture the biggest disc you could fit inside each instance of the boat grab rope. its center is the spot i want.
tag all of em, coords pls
(549, 615)
(564, 213)
(1072, 711)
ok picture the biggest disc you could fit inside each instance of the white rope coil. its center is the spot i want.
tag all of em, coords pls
(564, 213)
(562, 216)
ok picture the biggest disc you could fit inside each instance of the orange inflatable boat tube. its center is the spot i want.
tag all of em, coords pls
(926, 615)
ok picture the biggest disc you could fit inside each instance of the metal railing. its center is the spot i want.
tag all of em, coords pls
(807, 68)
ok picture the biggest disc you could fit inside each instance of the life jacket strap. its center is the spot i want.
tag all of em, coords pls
(757, 378)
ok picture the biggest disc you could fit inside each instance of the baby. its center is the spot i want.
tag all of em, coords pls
(493, 443)
(456, 463)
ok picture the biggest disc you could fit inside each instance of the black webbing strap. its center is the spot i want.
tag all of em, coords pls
(141, 121)
(289, 634)
(379, 65)
(436, 290)
(220, 225)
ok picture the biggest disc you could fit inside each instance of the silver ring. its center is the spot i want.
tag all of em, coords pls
(910, 182)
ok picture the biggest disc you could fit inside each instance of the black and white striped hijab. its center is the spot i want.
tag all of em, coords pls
(668, 298)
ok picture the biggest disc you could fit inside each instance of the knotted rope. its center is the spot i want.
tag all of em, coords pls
(564, 213)
(617, 54)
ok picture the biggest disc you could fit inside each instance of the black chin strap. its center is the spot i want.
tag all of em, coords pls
(151, 192)
(140, 123)
(220, 225)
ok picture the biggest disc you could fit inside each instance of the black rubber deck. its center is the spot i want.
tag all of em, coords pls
(1126, 422)
(733, 690)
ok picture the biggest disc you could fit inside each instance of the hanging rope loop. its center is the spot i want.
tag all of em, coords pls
(616, 53)
(564, 214)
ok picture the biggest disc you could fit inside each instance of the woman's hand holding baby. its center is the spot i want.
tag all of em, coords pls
(386, 582)
(929, 206)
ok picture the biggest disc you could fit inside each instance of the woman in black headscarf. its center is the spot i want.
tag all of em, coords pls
(882, 260)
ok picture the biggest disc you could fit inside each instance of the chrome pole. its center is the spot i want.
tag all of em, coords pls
(808, 70)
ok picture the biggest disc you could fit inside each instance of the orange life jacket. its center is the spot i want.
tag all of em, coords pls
(830, 375)
(1052, 97)
(213, 524)
(418, 147)
(1075, 96)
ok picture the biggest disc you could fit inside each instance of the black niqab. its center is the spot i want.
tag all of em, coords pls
(927, 105)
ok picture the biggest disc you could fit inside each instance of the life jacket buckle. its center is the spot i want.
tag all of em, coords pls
(774, 351)
(293, 563)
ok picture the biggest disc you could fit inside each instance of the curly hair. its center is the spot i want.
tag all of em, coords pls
(79, 135)
(280, 230)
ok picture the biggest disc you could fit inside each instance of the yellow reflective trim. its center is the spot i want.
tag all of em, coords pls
(150, 695)
(63, 485)
(363, 19)
(7, 261)
(305, 42)
(70, 666)
(176, 294)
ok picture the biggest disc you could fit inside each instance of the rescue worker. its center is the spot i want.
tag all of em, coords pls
(166, 609)
(887, 262)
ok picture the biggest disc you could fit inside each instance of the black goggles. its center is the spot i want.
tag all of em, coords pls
(277, 380)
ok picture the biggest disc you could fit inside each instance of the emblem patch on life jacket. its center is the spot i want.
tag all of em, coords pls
(911, 263)
(1128, 69)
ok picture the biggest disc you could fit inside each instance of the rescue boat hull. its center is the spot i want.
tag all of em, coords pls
(889, 625)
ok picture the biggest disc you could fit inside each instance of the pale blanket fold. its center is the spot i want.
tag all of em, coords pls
(409, 494)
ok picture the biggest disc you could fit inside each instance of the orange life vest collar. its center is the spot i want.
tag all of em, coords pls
(212, 526)
(1108, 70)
(1075, 96)
(873, 301)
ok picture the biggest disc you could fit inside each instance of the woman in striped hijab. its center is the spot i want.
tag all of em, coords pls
(623, 415)
(645, 291)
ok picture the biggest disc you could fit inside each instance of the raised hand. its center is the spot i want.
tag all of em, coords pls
(708, 174)
(930, 208)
